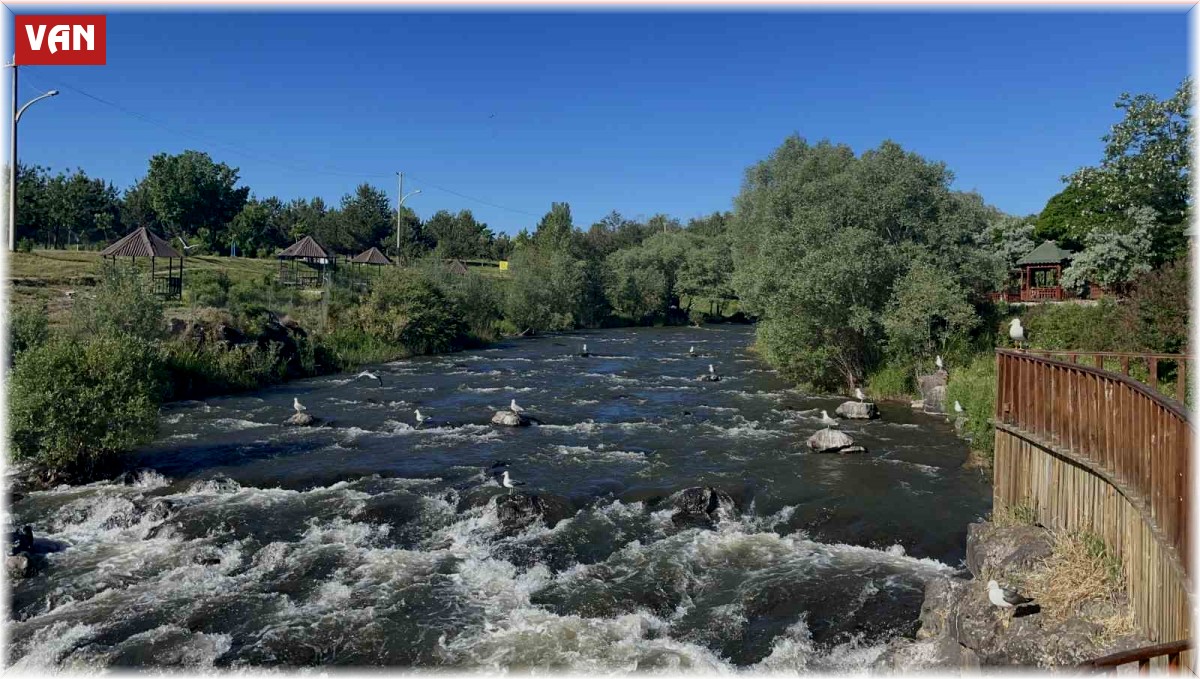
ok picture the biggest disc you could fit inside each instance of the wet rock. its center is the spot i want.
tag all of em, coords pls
(507, 418)
(21, 540)
(217, 484)
(301, 420)
(917, 405)
(933, 391)
(159, 510)
(19, 566)
(703, 504)
(858, 410)
(833, 441)
(518, 510)
(996, 550)
(709, 378)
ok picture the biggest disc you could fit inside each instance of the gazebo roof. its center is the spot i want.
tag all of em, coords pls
(371, 256)
(1046, 253)
(141, 242)
(305, 248)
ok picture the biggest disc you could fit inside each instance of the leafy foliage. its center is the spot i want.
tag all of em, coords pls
(77, 401)
(123, 305)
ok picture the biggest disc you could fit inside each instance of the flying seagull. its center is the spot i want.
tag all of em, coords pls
(858, 394)
(939, 362)
(186, 247)
(1016, 332)
(827, 420)
(1005, 597)
(420, 418)
(370, 375)
(958, 407)
(515, 408)
(508, 483)
(297, 405)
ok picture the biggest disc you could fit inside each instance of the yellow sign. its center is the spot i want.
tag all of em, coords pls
(503, 265)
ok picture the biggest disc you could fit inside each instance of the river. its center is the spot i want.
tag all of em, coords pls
(371, 542)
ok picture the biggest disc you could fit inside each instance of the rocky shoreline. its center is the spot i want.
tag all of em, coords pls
(961, 630)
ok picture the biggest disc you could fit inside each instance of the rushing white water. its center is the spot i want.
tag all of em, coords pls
(376, 543)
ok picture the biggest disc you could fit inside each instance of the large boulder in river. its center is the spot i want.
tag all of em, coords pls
(858, 410)
(19, 566)
(933, 391)
(21, 540)
(830, 440)
(507, 418)
(703, 504)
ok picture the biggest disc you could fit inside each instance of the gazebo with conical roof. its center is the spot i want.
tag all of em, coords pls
(371, 256)
(304, 263)
(142, 242)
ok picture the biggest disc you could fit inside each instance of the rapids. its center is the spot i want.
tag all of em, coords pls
(374, 543)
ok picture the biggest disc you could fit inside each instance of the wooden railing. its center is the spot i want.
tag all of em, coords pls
(1142, 656)
(1097, 451)
(1122, 361)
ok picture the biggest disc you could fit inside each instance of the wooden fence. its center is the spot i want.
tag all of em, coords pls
(1097, 451)
(1155, 366)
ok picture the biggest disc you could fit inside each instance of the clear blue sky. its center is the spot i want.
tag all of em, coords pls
(642, 113)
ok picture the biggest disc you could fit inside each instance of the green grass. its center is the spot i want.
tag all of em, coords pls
(974, 386)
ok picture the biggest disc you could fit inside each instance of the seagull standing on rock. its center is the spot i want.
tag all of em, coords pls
(515, 408)
(420, 418)
(958, 407)
(711, 370)
(858, 394)
(691, 351)
(940, 364)
(297, 405)
(1005, 597)
(507, 482)
(827, 420)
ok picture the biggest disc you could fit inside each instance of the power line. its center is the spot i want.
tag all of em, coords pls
(288, 165)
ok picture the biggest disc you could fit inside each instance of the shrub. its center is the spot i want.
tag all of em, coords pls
(122, 305)
(75, 402)
(1156, 315)
(895, 380)
(209, 289)
(208, 368)
(974, 386)
(1076, 326)
(28, 328)
(25, 245)
(406, 309)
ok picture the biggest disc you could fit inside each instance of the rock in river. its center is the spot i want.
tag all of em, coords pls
(833, 441)
(301, 420)
(507, 418)
(701, 503)
(519, 510)
(858, 410)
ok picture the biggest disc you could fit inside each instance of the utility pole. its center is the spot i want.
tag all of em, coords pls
(12, 166)
(12, 159)
(400, 203)
(400, 197)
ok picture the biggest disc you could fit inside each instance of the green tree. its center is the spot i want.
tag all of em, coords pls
(556, 230)
(190, 195)
(365, 219)
(1069, 216)
(926, 309)
(547, 291)
(1147, 164)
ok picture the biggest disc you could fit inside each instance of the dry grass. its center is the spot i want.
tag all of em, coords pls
(1006, 516)
(1079, 572)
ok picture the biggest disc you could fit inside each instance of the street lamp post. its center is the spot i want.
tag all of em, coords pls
(12, 159)
(399, 207)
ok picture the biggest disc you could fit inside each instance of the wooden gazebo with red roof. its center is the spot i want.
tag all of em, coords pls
(305, 263)
(142, 242)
